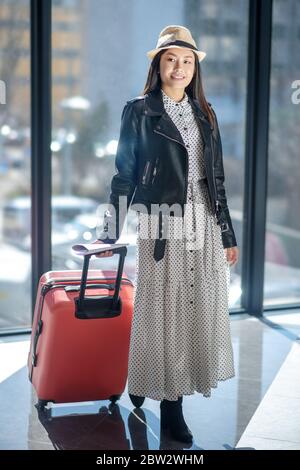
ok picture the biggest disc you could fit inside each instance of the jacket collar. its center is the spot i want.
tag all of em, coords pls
(154, 105)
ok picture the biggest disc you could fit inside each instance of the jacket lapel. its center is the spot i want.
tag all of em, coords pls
(203, 122)
(165, 126)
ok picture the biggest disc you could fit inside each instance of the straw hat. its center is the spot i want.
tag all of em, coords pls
(175, 36)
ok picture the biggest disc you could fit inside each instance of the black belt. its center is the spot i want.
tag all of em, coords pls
(160, 242)
(159, 249)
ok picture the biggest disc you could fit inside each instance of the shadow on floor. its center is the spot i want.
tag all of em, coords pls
(102, 431)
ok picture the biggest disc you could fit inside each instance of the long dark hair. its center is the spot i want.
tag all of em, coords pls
(194, 89)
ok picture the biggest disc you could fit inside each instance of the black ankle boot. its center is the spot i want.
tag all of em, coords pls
(171, 419)
(136, 400)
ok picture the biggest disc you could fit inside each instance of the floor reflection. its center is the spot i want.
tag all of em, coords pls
(261, 348)
(140, 431)
(102, 431)
(137, 426)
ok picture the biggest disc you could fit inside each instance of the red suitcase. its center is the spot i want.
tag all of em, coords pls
(80, 334)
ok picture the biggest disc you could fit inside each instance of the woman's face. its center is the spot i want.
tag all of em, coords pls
(177, 67)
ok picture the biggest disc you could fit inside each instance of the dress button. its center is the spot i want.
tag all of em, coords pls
(180, 114)
(187, 145)
(185, 128)
(192, 269)
(192, 285)
(191, 301)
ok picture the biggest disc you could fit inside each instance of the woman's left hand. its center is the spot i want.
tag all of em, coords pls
(232, 255)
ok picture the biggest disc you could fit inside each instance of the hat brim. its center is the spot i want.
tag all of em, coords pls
(151, 54)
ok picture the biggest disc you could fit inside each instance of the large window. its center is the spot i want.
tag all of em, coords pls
(282, 254)
(96, 69)
(221, 29)
(15, 243)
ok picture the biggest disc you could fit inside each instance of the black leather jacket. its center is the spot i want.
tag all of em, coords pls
(152, 164)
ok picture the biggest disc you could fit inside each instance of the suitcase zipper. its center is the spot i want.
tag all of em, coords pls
(54, 281)
(76, 287)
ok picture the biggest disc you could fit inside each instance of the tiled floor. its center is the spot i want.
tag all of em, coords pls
(258, 408)
(276, 422)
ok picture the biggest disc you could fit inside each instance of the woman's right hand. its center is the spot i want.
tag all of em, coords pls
(104, 254)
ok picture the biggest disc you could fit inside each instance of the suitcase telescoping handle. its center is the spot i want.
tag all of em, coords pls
(100, 307)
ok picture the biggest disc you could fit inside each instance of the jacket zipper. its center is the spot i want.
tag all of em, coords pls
(186, 176)
(155, 170)
(213, 168)
(146, 172)
(213, 164)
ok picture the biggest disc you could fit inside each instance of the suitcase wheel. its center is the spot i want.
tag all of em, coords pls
(114, 398)
(41, 404)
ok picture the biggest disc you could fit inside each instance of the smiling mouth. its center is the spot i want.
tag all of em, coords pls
(178, 77)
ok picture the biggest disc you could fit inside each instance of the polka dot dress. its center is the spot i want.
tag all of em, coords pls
(180, 336)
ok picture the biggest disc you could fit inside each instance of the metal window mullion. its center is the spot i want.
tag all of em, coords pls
(256, 171)
(41, 139)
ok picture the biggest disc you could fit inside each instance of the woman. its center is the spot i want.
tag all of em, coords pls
(170, 155)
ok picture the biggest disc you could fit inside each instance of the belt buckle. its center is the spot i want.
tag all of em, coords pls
(224, 227)
(202, 180)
